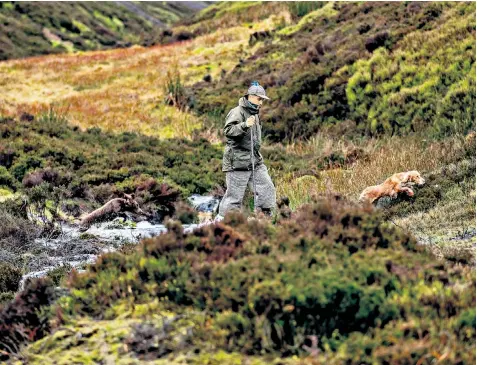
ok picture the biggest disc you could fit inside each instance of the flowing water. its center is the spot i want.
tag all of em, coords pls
(77, 249)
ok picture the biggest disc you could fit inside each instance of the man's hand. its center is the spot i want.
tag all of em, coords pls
(250, 121)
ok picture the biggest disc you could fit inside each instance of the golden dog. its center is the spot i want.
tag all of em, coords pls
(392, 186)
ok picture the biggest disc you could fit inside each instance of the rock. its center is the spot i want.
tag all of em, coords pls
(205, 203)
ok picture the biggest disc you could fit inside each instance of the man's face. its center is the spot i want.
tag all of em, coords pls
(255, 99)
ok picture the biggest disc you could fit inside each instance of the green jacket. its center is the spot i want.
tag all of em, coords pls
(238, 145)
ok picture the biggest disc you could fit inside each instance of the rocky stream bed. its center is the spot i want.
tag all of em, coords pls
(76, 248)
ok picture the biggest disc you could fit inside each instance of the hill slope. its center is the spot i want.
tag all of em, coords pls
(35, 28)
(345, 68)
(370, 68)
(328, 282)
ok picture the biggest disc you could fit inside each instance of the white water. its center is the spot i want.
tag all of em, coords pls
(73, 247)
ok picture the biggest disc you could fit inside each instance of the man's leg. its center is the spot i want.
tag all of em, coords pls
(266, 193)
(236, 184)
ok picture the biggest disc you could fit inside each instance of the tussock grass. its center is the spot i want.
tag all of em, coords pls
(382, 158)
(447, 229)
(123, 89)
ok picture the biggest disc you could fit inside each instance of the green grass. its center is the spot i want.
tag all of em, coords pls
(315, 16)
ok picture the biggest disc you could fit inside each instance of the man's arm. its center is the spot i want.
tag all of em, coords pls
(234, 126)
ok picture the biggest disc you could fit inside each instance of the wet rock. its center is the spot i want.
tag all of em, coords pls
(204, 203)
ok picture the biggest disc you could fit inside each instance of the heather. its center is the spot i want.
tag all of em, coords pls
(32, 29)
(359, 92)
(332, 279)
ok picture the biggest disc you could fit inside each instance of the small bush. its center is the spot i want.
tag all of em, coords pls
(21, 320)
(6, 179)
(17, 233)
(25, 164)
(47, 175)
(10, 277)
(185, 213)
(58, 274)
(6, 297)
(381, 39)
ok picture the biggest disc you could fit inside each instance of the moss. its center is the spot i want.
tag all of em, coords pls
(87, 236)
(325, 12)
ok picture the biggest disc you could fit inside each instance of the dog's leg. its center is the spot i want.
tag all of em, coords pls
(405, 189)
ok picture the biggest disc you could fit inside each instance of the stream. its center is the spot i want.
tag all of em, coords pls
(77, 248)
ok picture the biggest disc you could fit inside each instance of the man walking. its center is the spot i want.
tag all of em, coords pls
(242, 166)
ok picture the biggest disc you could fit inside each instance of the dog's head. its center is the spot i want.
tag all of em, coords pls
(131, 204)
(414, 177)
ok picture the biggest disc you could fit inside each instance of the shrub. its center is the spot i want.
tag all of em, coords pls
(17, 233)
(44, 201)
(381, 39)
(47, 175)
(312, 276)
(25, 164)
(21, 320)
(58, 274)
(6, 179)
(185, 213)
(7, 155)
(6, 297)
(10, 277)
(456, 111)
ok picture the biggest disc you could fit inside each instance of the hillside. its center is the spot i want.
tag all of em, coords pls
(368, 68)
(315, 64)
(36, 28)
(360, 91)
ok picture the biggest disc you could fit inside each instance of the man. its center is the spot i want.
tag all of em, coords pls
(237, 161)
